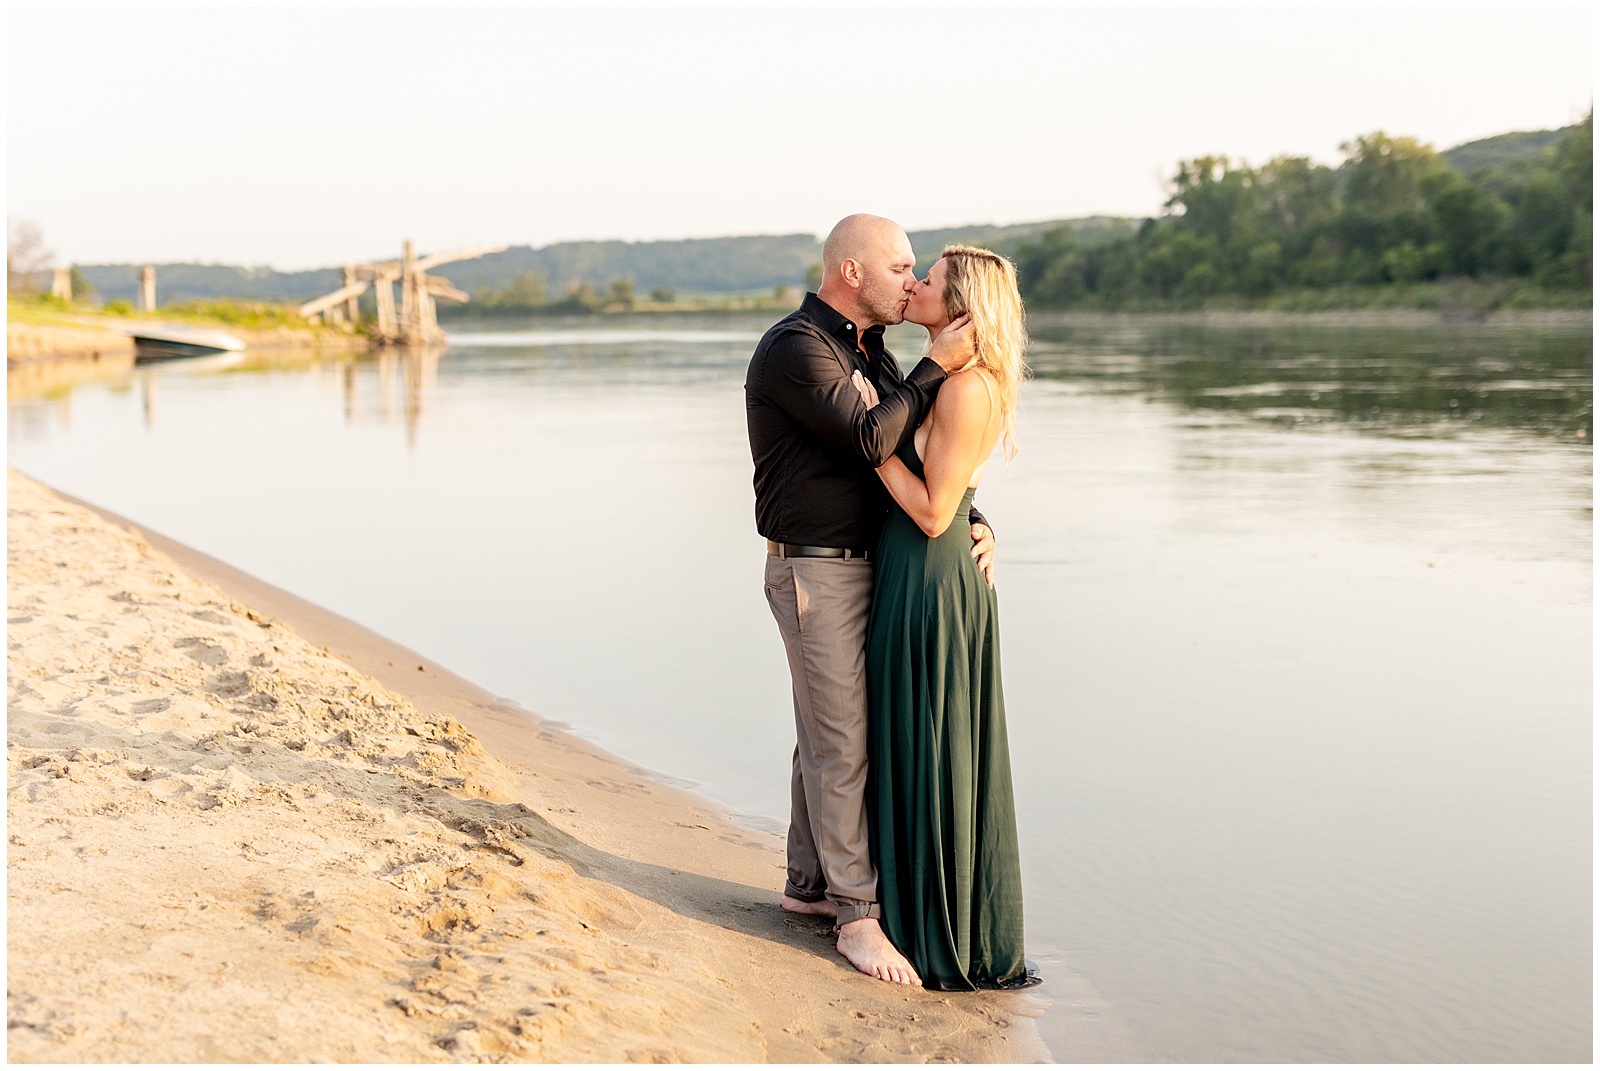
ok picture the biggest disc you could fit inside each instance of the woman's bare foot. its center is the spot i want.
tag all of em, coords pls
(810, 907)
(864, 944)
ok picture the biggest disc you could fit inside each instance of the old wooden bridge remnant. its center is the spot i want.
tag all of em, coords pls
(416, 321)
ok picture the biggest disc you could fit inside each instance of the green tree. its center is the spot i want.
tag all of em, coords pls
(82, 290)
(621, 293)
(1298, 197)
(1544, 218)
(1263, 268)
(1473, 223)
(579, 298)
(1383, 175)
(1383, 203)
(1216, 201)
(663, 294)
(1051, 270)
(528, 290)
(1405, 263)
(1574, 163)
(1170, 262)
(1393, 213)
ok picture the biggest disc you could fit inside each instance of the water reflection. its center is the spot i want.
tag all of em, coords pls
(414, 369)
(1423, 380)
(349, 382)
(419, 369)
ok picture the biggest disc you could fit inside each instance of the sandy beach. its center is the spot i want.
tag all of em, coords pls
(244, 829)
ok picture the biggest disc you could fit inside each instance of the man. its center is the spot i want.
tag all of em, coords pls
(821, 506)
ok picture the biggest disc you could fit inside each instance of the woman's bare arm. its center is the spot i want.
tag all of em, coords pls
(958, 439)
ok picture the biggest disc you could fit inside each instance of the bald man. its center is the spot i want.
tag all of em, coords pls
(821, 506)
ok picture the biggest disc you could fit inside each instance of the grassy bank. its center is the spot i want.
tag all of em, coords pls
(217, 312)
(257, 324)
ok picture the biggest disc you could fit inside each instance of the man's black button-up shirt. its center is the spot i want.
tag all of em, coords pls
(814, 442)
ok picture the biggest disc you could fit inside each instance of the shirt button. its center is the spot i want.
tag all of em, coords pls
(849, 327)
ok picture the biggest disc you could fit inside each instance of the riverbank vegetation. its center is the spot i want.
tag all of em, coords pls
(254, 315)
(1395, 224)
(529, 294)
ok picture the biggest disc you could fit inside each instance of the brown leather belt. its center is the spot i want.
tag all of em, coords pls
(799, 550)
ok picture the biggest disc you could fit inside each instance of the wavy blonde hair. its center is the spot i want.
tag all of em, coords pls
(984, 284)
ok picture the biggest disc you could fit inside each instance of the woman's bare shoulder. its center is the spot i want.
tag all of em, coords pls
(968, 390)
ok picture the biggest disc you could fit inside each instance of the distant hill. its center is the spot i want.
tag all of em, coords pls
(1472, 156)
(1089, 230)
(189, 282)
(696, 265)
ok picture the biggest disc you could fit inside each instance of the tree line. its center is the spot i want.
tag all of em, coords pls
(1393, 214)
(530, 292)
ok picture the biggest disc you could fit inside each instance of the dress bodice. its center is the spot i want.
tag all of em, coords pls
(908, 454)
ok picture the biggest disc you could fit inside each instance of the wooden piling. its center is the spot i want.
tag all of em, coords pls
(352, 304)
(416, 322)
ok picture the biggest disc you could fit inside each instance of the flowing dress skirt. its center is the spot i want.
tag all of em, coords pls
(939, 795)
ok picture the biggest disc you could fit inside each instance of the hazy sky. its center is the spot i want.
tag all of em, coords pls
(300, 137)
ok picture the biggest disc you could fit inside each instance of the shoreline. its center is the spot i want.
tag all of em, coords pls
(37, 342)
(759, 985)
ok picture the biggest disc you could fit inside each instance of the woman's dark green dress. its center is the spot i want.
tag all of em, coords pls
(944, 828)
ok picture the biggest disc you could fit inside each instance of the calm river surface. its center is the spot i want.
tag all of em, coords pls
(1297, 630)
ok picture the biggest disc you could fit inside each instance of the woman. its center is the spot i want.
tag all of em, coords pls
(944, 827)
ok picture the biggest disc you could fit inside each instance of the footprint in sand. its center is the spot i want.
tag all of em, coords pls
(202, 651)
(228, 685)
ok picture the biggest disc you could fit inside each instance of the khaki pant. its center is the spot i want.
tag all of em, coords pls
(821, 606)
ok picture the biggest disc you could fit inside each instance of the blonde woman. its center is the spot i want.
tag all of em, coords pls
(944, 830)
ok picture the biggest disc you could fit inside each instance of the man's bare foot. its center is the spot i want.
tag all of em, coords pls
(864, 944)
(810, 907)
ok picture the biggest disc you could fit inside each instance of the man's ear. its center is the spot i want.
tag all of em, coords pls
(850, 272)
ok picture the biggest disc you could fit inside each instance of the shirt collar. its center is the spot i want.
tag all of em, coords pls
(836, 324)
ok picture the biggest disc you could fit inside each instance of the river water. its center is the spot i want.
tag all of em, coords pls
(1297, 629)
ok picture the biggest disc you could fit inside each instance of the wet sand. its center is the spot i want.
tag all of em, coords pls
(246, 829)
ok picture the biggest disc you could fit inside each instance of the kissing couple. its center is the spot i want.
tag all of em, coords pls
(879, 573)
